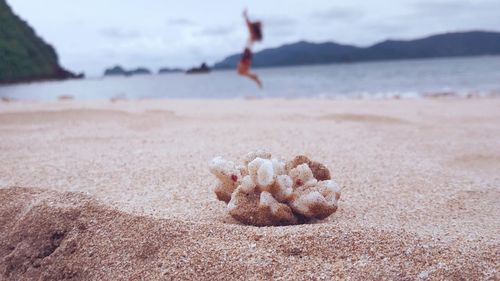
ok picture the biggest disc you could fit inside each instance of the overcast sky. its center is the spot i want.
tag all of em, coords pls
(91, 35)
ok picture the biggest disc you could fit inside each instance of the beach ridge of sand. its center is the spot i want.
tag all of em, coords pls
(53, 235)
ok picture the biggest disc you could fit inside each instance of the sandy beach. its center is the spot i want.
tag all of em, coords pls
(100, 190)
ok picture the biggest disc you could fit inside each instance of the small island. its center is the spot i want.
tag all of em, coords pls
(166, 70)
(120, 71)
(203, 69)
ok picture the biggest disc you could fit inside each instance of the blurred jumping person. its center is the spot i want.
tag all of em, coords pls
(255, 30)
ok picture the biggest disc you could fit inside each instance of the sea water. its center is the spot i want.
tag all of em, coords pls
(404, 79)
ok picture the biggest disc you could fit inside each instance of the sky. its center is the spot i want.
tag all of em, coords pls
(91, 35)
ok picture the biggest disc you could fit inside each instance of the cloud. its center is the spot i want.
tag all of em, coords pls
(449, 8)
(216, 31)
(386, 28)
(441, 7)
(448, 15)
(117, 33)
(181, 21)
(337, 13)
(279, 21)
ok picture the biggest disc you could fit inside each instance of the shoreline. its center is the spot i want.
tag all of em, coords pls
(360, 96)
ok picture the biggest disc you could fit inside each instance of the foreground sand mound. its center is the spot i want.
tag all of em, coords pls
(45, 235)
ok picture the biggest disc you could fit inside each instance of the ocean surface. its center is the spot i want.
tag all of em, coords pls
(405, 79)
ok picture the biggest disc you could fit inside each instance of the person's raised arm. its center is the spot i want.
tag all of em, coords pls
(245, 16)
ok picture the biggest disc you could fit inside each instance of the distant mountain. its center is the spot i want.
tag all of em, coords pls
(295, 54)
(472, 43)
(23, 55)
(120, 71)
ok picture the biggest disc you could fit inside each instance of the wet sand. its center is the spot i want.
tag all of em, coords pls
(101, 190)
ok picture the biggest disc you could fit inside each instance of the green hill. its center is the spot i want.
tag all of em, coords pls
(23, 55)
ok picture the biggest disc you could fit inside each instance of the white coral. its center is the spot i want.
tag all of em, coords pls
(256, 154)
(302, 175)
(283, 188)
(265, 174)
(261, 172)
(229, 176)
(267, 200)
(317, 200)
(303, 204)
(247, 184)
(270, 191)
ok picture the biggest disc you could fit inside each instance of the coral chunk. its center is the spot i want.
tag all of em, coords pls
(267, 191)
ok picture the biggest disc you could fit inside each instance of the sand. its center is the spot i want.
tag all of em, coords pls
(95, 190)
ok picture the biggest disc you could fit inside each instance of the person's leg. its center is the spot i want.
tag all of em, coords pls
(243, 70)
(255, 78)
